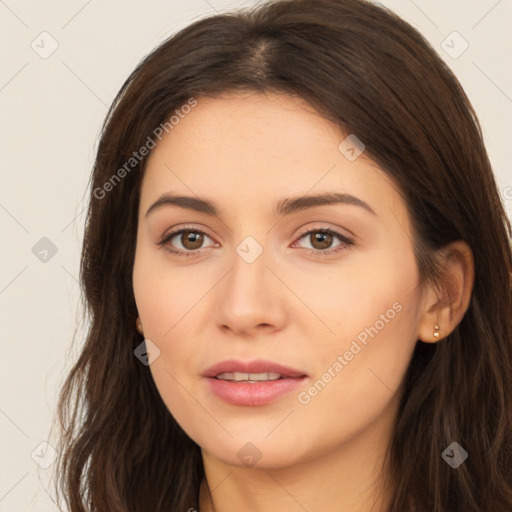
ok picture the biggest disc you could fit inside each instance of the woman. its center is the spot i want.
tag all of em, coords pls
(297, 269)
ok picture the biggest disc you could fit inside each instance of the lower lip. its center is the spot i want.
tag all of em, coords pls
(253, 394)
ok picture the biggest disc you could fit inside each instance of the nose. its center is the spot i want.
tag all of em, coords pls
(251, 298)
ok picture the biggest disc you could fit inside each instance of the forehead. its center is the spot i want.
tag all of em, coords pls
(271, 122)
(247, 149)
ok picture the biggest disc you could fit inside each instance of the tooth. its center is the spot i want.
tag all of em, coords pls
(258, 376)
(226, 376)
(249, 377)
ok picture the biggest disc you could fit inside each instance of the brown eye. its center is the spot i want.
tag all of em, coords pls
(321, 239)
(185, 242)
(191, 240)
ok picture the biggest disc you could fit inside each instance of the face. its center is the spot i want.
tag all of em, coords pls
(327, 290)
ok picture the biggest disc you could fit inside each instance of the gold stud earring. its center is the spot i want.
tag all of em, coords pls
(138, 326)
(436, 329)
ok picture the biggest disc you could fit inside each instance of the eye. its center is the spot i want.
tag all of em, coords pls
(321, 240)
(191, 239)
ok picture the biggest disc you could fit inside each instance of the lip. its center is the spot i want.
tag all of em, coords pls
(256, 366)
(253, 394)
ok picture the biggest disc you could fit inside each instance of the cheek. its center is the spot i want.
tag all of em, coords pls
(359, 382)
(164, 295)
(167, 300)
(373, 290)
(162, 306)
(374, 313)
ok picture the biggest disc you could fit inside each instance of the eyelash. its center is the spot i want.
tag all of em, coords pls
(346, 242)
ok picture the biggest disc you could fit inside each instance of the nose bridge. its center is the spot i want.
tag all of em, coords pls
(250, 296)
(249, 276)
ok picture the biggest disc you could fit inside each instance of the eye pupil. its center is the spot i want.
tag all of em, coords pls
(324, 238)
(191, 237)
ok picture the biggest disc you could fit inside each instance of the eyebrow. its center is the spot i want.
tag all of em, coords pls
(283, 207)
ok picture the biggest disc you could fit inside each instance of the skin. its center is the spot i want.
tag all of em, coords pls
(291, 305)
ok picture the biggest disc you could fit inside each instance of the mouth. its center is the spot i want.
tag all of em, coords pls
(257, 370)
(253, 378)
(252, 383)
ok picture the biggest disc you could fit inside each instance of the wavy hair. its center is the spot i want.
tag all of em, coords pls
(375, 76)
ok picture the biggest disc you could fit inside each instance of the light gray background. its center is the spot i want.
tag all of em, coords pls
(52, 109)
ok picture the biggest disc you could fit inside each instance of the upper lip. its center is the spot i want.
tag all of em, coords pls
(256, 366)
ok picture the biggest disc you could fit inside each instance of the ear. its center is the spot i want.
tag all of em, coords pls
(138, 326)
(444, 305)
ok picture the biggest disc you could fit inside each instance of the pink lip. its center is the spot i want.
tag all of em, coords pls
(253, 394)
(257, 366)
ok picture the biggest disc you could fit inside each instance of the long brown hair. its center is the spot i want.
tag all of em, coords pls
(372, 74)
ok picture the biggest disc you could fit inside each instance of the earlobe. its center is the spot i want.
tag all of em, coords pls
(138, 326)
(445, 304)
